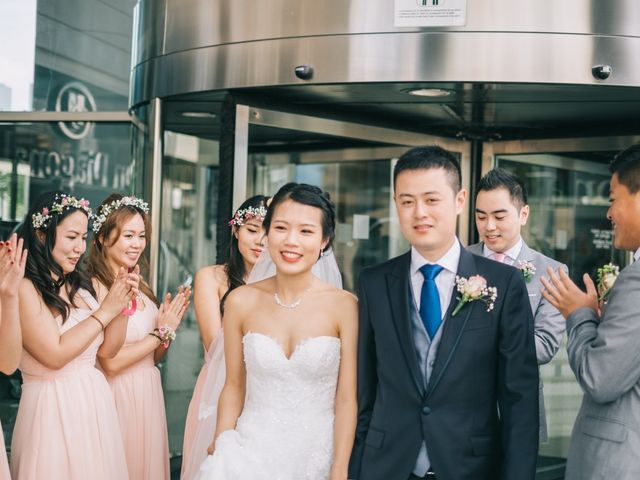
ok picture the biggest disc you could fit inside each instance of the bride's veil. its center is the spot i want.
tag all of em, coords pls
(326, 268)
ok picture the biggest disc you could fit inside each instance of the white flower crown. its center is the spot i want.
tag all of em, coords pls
(243, 215)
(105, 210)
(61, 203)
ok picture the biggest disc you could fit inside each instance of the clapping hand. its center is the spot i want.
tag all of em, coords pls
(173, 309)
(13, 260)
(123, 289)
(565, 295)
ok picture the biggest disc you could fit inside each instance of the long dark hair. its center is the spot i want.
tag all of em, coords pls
(40, 262)
(234, 264)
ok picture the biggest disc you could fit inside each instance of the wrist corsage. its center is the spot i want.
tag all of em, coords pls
(166, 334)
(606, 278)
(474, 288)
(527, 268)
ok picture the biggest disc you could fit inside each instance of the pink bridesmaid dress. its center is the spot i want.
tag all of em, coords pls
(4, 465)
(203, 409)
(67, 426)
(137, 391)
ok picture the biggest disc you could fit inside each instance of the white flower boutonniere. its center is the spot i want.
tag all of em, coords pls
(527, 268)
(606, 278)
(474, 288)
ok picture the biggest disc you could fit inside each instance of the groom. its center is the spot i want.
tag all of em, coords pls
(442, 394)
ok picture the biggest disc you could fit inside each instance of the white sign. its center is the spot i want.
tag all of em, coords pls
(430, 13)
(361, 227)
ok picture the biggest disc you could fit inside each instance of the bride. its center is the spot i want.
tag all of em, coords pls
(288, 407)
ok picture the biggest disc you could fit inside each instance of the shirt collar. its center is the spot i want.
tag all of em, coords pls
(513, 253)
(636, 255)
(449, 261)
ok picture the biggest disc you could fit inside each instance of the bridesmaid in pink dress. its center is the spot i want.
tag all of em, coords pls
(212, 284)
(66, 427)
(120, 231)
(12, 262)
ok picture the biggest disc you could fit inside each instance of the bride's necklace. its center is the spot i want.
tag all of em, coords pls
(293, 305)
(287, 305)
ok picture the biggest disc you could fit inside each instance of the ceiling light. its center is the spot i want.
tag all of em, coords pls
(430, 92)
(198, 115)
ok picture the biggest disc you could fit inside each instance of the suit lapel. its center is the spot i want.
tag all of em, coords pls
(453, 326)
(533, 285)
(398, 293)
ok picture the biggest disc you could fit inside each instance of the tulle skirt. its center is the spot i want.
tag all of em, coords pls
(203, 409)
(67, 429)
(140, 406)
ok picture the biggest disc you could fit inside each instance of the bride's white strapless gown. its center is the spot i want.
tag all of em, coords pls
(285, 431)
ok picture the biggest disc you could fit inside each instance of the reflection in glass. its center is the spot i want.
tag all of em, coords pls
(361, 191)
(187, 243)
(17, 53)
(65, 55)
(568, 199)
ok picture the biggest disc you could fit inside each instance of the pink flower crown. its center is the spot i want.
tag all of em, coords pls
(245, 214)
(61, 203)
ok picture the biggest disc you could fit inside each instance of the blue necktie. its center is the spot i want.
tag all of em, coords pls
(430, 310)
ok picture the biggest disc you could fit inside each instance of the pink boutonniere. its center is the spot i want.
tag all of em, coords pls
(474, 288)
(527, 268)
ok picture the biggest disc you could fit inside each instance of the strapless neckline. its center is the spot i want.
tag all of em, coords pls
(298, 347)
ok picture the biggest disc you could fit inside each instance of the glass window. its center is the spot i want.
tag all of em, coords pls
(568, 199)
(187, 243)
(65, 55)
(367, 230)
(40, 157)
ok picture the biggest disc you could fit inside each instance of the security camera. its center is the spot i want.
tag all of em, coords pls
(602, 72)
(304, 72)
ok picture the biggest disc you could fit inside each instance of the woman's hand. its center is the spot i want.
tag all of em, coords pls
(212, 448)
(119, 295)
(173, 309)
(13, 260)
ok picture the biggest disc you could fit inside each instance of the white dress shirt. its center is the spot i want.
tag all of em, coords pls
(636, 255)
(446, 279)
(510, 255)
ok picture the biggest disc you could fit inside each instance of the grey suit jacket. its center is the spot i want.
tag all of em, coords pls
(605, 357)
(549, 325)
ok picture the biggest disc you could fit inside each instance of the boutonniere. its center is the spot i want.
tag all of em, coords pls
(527, 268)
(474, 288)
(606, 277)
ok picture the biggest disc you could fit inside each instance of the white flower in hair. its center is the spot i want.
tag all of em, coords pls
(243, 215)
(61, 203)
(105, 210)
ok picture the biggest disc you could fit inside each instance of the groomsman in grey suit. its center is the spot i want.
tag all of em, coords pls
(604, 345)
(501, 212)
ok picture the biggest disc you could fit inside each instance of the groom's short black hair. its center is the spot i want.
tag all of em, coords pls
(501, 178)
(627, 165)
(428, 157)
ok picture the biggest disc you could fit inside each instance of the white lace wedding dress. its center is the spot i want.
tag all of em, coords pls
(285, 431)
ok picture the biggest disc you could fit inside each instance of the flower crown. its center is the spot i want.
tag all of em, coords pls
(245, 214)
(61, 203)
(105, 210)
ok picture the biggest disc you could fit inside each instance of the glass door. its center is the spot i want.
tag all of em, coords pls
(354, 164)
(187, 242)
(568, 186)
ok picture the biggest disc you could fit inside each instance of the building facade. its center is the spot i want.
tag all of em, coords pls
(196, 105)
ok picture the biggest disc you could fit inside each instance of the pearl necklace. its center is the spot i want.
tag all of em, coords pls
(287, 305)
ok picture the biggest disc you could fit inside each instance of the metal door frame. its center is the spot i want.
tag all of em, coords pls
(247, 116)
